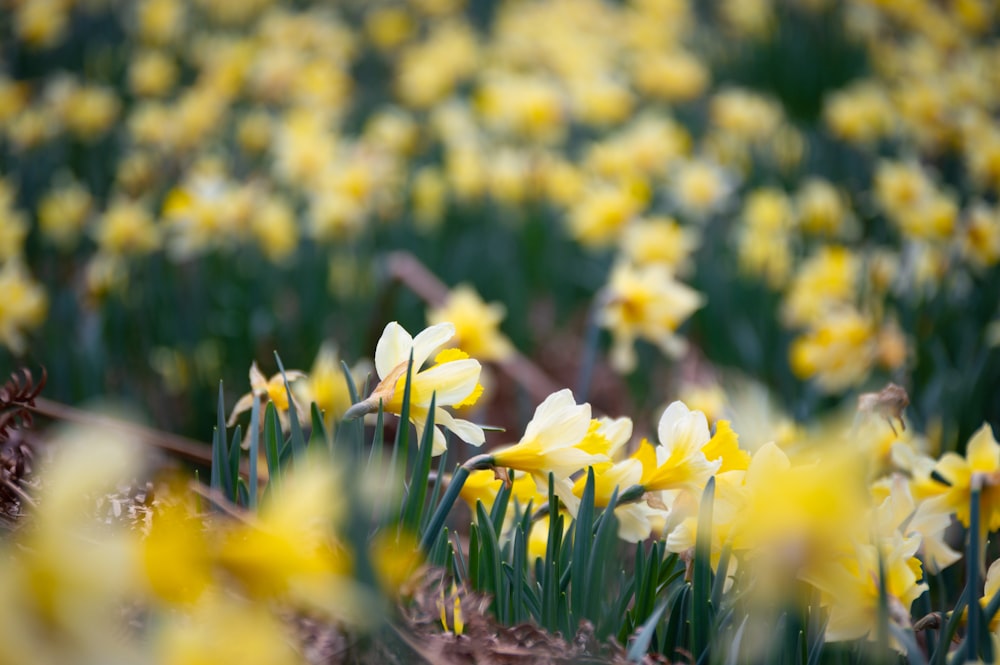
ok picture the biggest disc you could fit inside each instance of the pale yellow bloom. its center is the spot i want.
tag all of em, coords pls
(326, 384)
(127, 228)
(746, 115)
(62, 214)
(608, 437)
(679, 462)
(273, 223)
(647, 303)
(152, 73)
(90, 112)
(295, 526)
(678, 76)
(22, 308)
(203, 636)
(268, 390)
(838, 350)
(825, 280)
(700, 188)
(482, 486)
(550, 441)
(861, 113)
(452, 381)
(659, 240)
(981, 235)
(476, 323)
(981, 464)
(599, 217)
(823, 210)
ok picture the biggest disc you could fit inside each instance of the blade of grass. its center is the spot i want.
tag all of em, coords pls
(402, 442)
(675, 635)
(297, 439)
(254, 434)
(440, 514)
(490, 548)
(319, 438)
(439, 481)
(882, 616)
(719, 583)
(352, 431)
(230, 479)
(951, 627)
(417, 492)
(519, 557)
(605, 540)
(737, 642)
(914, 654)
(640, 645)
(582, 542)
(378, 443)
(272, 445)
(702, 579)
(218, 446)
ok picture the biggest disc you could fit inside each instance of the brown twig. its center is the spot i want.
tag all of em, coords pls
(177, 445)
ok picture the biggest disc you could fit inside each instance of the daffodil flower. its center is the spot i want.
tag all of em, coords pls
(272, 389)
(607, 436)
(453, 380)
(679, 462)
(327, 386)
(982, 459)
(550, 440)
(645, 302)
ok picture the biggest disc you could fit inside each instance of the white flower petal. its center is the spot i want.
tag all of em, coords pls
(635, 521)
(559, 421)
(467, 431)
(392, 349)
(428, 341)
(681, 427)
(618, 431)
(452, 381)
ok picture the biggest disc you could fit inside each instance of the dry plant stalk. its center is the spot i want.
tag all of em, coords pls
(889, 403)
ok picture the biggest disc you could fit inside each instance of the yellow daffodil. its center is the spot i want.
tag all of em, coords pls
(679, 462)
(849, 587)
(272, 390)
(453, 379)
(550, 441)
(645, 302)
(23, 307)
(837, 351)
(476, 323)
(607, 436)
(326, 385)
(981, 464)
(295, 527)
(825, 280)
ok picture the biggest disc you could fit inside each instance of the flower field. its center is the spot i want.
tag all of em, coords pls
(499, 331)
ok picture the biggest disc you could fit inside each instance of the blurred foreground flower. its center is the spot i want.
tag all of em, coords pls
(453, 381)
(65, 580)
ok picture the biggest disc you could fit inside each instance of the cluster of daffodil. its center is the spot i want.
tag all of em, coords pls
(837, 507)
(856, 513)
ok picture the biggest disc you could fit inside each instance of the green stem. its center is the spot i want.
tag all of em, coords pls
(437, 520)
